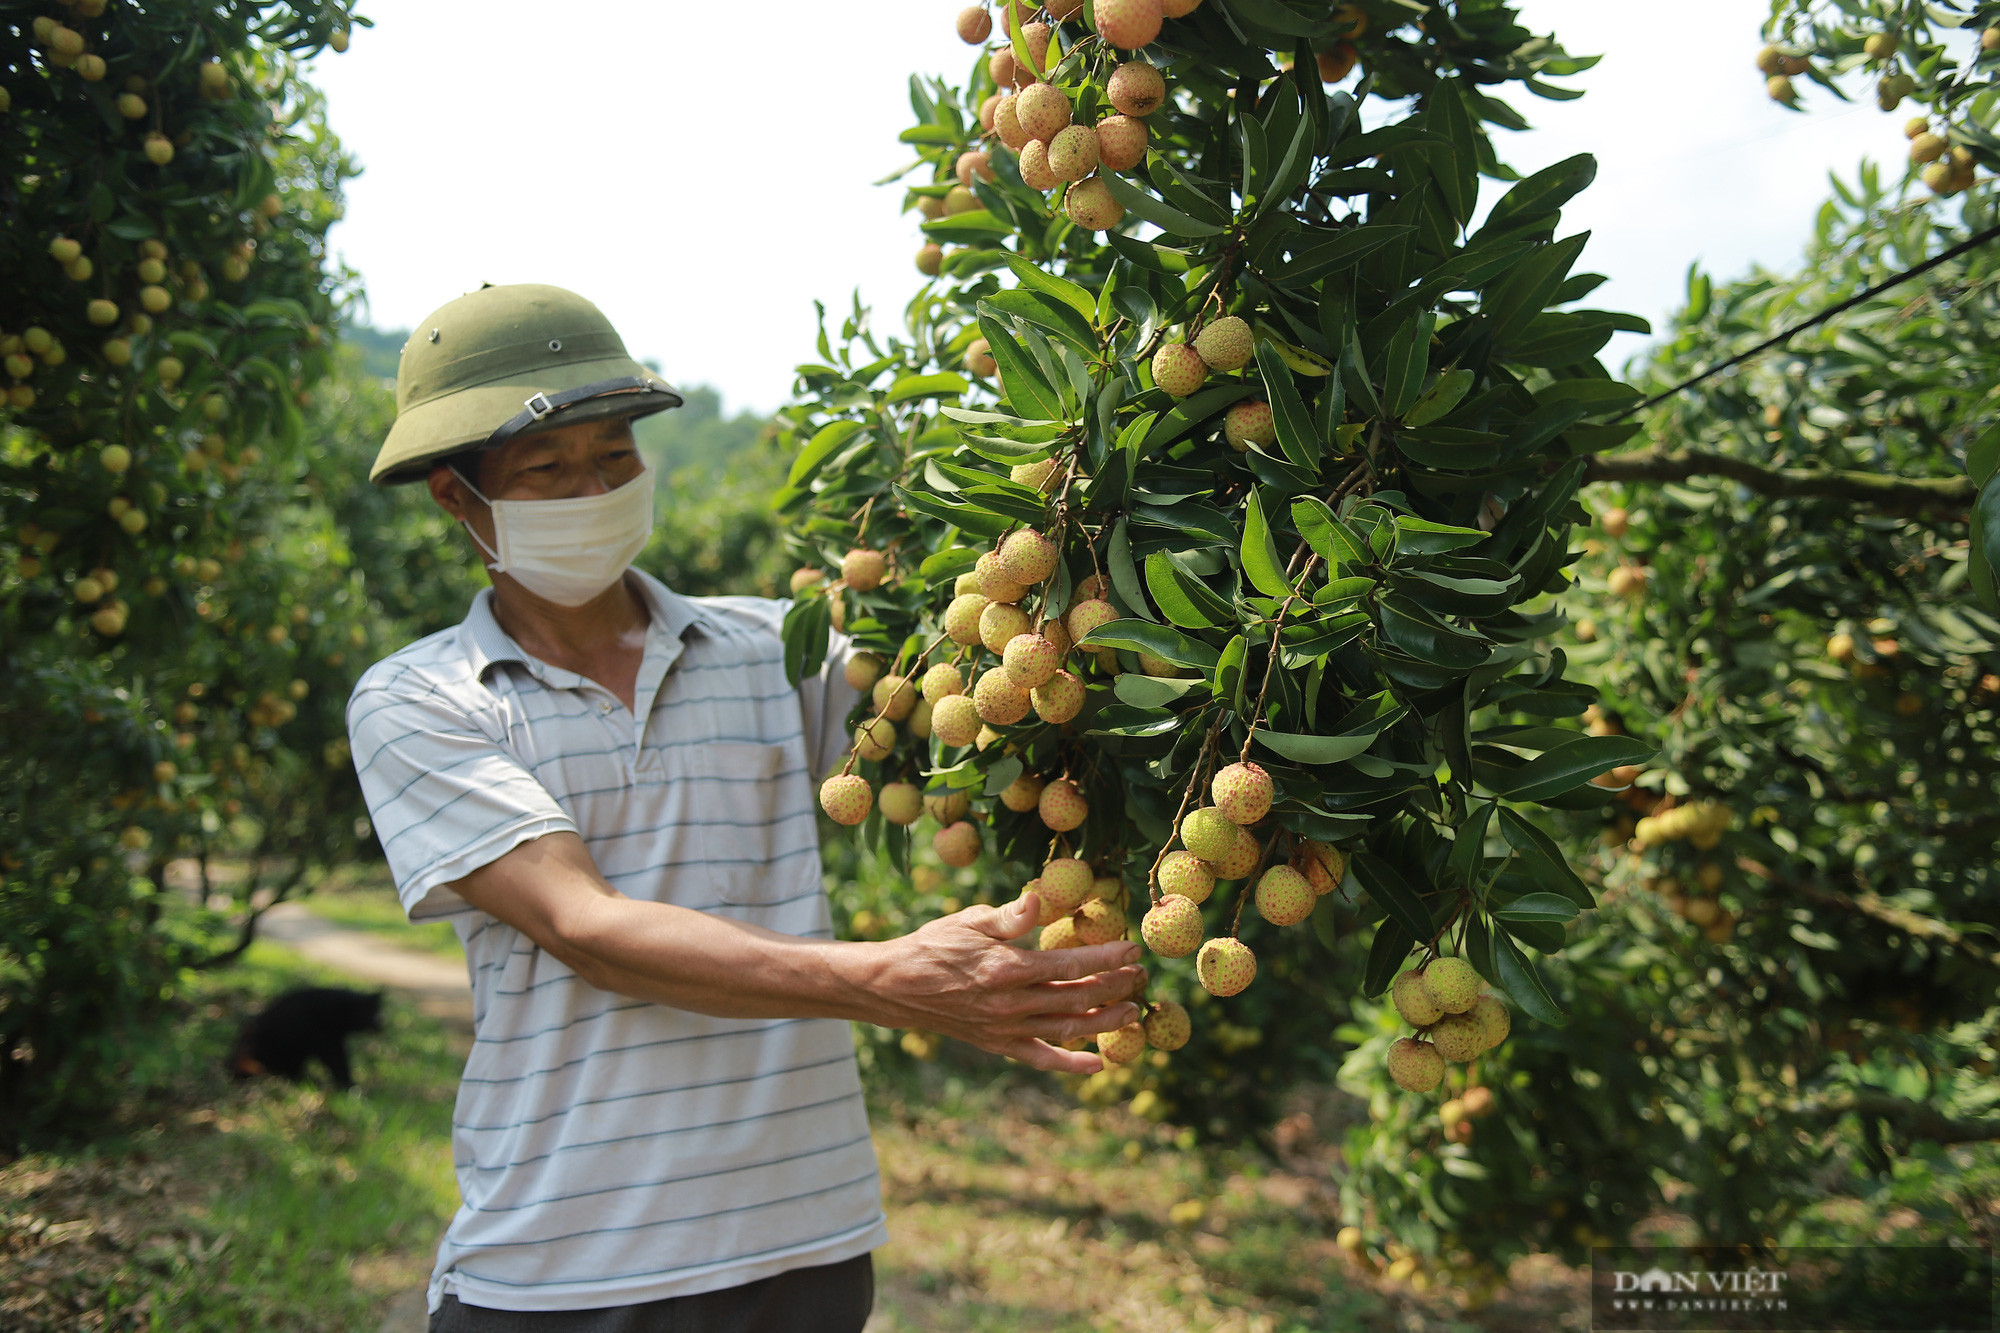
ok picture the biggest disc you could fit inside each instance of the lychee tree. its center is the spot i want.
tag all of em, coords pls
(1200, 537)
(180, 616)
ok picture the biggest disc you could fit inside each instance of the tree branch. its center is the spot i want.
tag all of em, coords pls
(1914, 1119)
(1872, 905)
(1896, 495)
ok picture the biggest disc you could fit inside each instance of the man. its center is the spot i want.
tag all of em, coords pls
(608, 789)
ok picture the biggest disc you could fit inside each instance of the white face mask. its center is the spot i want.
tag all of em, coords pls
(569, 551)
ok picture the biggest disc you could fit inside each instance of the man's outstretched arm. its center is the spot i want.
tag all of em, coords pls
(957, 975)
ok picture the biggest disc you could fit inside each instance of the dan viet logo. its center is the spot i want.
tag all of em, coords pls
(1657, 1288)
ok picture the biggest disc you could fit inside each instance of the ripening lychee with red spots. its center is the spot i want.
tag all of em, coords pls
(1225, 344)
(1121, 142)
(1494, 1020)
(894, 697)
(974, 165)
(1136, 88)
(1249, 423)
(1023, 793)
(1241, 859)
(1060, 934)
(1185, 874)
(1100, 921)
(996, 582)
(1458, 1037)
(1034, 36)
(1030, 659)
(1073, 152)
(1452, 983)
(979, 358)
(846, 798)
(1178, 370)
(999, 623)
(1089, 205)
(986, 110)
(961, 618)
(1167, 1027)
(1036, 173)
(1066, 882)
(863, 569)
(1042, 476)
(998, 699)
(1323, 865)
(1122, 1046)
(957, 844)
(1027, 556)
(1129, 24)
(1179, 9)
(1283, 896)
(1089, 614)
(1243, 792)
(901, 803)
(1413, 1000)
(1208, 833)
(1172, 927)
(942, 680)
(1415, 1065)
(1057, 699)
(955, 720)
(1043, 109)
(1225, 966)
(1007, 118)
(1062, 806)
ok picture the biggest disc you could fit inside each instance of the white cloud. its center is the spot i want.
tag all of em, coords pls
(702, 172)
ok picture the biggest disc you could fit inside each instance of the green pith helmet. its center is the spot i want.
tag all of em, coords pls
(507, 361)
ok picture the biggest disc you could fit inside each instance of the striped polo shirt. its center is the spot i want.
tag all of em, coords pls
(609, 1150)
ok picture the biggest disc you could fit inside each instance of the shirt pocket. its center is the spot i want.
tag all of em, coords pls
(751, 834)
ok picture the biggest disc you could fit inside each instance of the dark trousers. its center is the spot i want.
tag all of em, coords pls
(833, 1298)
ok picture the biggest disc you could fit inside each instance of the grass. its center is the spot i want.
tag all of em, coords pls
(367, 901)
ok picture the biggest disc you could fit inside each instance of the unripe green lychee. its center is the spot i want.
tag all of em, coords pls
(1185, 874)
(1073, 152)
(1062, 806)
(1495, 1022)
(1136, 88)
(999, 624)
(960, 199)
(942, 680)
(1022, 793)
(1458, 1037)
(1060, 934)
(1880, 45)
(947, 807)
(863, 569)
(961, 618)
(1121, 142)
(1041, 476)
(115, 458)
(1225, 966)
(1043, 109)
(1087, 615)
(955, 720)
(920, 720)
(1243, 792)
(1208, 833)
(1167, 1027)
(1057, 699)
(1415, 1065)
(102, 313)
(1413, 1000)
(1172, 927)
(862, 671)
(901, 803)
(65, 251)
(159, 149)
(1030, 659)
(930, 259)
(80, 269)
(1249, 423)
(1089, 205)
(1036, 173)
(1283, 896)
(1123, 1046)
(1129, 24)
(1242, 858)
(1452, 983)
(846, 798)
(975, 25)
(1178, 370)
(1225, 344)
(1100, 922)
(875, 739)
(997, 699)
(131, 106)
(996, 582)
(957, 845)
(894, 697)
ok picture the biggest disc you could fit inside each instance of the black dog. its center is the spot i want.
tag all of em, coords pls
(311, 1023)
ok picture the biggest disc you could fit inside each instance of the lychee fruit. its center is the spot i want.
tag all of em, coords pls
(1007, 115)
(1129, 24)
(1249, 423)
(1337, 61)
(1089, 205)
(1058, 699)
(875, 739)
(1458, 1037)
(846, 798)
(942, 681)
(1242, 858)
(1178, 370)
(1172, 927)
(1066, 882)
(920, 720)
(901, 803)
(976, 164)
(996, 582)
(1052, 630)
(1415, 1065)
(1121, 142)
(1179, 9)
(1087, 615)
(1136, 88)
(947, 807)
(961, 618)
(986, 110)
(1107, 888)
(1452, 983)
(1225, 344)
(806, 577)
(1022, 793)
(1100, 922)
(955, 720)
(979, 358)
(1207, 832)
(957, 844)
(1167, 1027)
(1042, 109)
(862, 670)
(1060, 934)
(997, 699)
(1123, 1046)
(1027, 557)
(999, 624)
(863, 569)
(1047, 914)
(1478, 1101)
(1041, 476)
(1030, 659)
(1225, 965)
(1062, 806)
(975, 25)
(1413, 1000)
(1073, 152)
(1063, 10)
(1243, 793)
(1187, 875)
(1283, 896)
(894, 697)
(1495, 1022)
(1036, 173)
(1034, 36)
(1324, 866)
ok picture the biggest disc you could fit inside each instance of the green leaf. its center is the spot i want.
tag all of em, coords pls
(1320, 253)
(1040, 279)
(1184, 599)
(1027, 388)
(1540, 194)
(975, 223)
(943, 566)
(1153, 691)
(1542, 859)
(976, 520)
(1468, 849)
(1162, 641)
(1124, 720)
(942, 136)
(1262, 564)
(1229, 673)
(825, 441)
(1556, 771)
(1124, 574)
(805, 634)
(943, 384)
(1386, 885)
(1406, 361)
(1294, 424)
(1391, 946)
(1523, 984)
(1440, 398)
(1427, 538)
(1190, 412)
(1301, 749)
(1537, 907)
(1150, 208)
(1051, 314)
(1336, 543)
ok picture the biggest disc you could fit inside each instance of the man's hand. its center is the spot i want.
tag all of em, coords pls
(959, 976)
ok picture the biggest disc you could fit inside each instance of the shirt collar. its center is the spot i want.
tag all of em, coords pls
(487, 645)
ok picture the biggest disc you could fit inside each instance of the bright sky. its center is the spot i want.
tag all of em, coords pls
(702, 181)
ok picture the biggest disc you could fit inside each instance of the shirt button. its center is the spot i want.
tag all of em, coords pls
(604, 707)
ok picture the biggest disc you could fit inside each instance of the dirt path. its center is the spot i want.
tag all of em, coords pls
(437, 985)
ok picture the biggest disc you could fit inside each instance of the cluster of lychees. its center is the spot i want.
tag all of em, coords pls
(1455, 1022)
(1226, 344)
